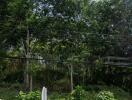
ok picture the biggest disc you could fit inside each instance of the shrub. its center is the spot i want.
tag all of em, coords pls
(105, 95)
(29, 96)
(78, 94)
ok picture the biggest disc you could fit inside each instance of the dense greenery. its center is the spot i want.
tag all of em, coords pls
(62, 43)
(30, 96)
(90, 94)
(105, 95)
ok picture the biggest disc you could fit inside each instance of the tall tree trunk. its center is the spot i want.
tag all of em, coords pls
(27, 75)
(27, 60)
(71, 77)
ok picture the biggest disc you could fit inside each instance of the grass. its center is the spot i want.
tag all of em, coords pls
(10, 93)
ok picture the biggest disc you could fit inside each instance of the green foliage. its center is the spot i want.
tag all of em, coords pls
(56, 96)
(65, 30)
(79, 94)
(7, 93)
(105, 95)
(29, 96)
(35, 67)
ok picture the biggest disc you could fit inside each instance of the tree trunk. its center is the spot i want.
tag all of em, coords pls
(71, 74)
(27, 76)
(31, 83)
(27, 60)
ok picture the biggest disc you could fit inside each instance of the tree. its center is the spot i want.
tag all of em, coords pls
(74, 31)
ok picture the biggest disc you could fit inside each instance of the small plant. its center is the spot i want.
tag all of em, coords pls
(79, 93)
(105, 95)
(29, 96)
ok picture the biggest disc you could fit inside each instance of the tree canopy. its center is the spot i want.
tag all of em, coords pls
(73, 31)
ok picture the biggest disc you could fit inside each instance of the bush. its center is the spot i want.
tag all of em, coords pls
(29, 96)
(105, 95)
(79, 94)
